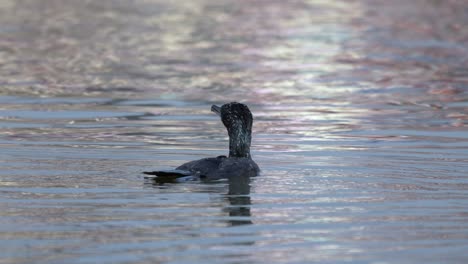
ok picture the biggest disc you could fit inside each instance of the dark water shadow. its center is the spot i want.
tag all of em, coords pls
(236, 192)
(239, 201)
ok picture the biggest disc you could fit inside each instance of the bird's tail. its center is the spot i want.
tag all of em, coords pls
(167, 176)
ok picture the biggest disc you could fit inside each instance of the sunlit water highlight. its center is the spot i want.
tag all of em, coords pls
(360, 130)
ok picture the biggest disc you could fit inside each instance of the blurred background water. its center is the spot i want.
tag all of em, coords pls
(361, 121)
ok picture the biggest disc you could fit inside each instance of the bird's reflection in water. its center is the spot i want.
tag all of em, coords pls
(237, 196)
(239, 201)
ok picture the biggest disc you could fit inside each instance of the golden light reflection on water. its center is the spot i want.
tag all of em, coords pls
(179, 37)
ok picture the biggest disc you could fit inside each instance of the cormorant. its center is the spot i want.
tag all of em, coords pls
(238, 120)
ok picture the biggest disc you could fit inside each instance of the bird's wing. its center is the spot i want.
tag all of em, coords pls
(203, 167)
(169, 176)
(169, 173)
(193, 170)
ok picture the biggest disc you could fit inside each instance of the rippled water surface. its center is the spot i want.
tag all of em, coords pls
(361, 121)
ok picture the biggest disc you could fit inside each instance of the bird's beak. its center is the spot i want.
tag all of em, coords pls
(216, 109)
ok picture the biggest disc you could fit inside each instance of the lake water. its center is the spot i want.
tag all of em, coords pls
(361, 131)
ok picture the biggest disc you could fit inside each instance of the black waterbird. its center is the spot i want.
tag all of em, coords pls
(238, 120)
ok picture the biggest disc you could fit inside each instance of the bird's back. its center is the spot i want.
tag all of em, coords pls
(221, 167)
(204, 168)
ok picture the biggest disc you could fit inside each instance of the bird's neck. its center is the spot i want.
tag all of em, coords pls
(239, 144)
